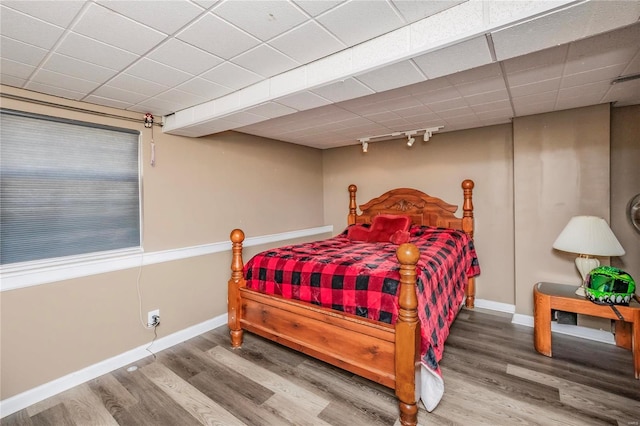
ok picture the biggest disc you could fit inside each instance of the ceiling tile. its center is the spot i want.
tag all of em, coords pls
(77, 68)
(267, 19)
(634, 65)
(318, 43)
(621, 94)
(153, 104)
(617, 47)
(542, 58)
(392, 103)
(111, 28)
(206, 3)
(449, 25)
(444, 94)
(63, 81)
(231, 75)
(535, 87)
(597, 89)
(119, 95)
(61, 15)
(357, 21)
(95, 52)
(16, 70)
(315, 7)
(135, 84)
(56, 90)
(21, 52)
(392, 76)
(481, 86)
(179, 97)
(599, 74)
(533, 75)
(343, 90)
(483, 72)
(303, 101)
(563, 26)
(578, 101)
(487, 97)
(536, 98)
(21, 27)
(183, 56)
(459, 57)
(265, 61)
(11, 80)
(271, 110)
(99, 100)
(158, 73)
(205, 88)
(448, 105)
(486, 107)
(214, 35)
(412, 10)
(165, 16)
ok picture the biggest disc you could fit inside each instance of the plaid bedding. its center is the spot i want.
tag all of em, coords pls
(363, 279)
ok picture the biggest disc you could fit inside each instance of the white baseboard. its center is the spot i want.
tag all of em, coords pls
(569, 330)
(495, 306)
(30, 397)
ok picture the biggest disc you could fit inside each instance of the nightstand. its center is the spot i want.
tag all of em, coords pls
(548, 296)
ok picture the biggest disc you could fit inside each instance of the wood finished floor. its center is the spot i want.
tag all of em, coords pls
(492, 376)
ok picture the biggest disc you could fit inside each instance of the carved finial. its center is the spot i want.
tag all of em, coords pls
(237, 236)
(467, 184)
(408, 254)
(353, 188)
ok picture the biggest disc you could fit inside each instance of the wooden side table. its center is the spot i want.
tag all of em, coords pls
(548, 296)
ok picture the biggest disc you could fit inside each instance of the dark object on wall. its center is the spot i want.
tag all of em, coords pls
(633, 212)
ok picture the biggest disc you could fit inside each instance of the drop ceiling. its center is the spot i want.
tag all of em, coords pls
(324, 73)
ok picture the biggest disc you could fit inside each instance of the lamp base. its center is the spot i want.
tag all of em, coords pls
(580, 291)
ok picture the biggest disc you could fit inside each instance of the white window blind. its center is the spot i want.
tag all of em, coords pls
(66, 188)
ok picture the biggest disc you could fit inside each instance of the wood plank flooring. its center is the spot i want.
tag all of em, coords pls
(492, 374)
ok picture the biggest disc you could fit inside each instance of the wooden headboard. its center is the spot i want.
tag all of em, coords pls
(423, 209)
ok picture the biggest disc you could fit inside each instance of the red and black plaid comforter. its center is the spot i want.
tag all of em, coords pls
(363, 279)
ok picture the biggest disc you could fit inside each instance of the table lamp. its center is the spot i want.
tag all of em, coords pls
(588, 236)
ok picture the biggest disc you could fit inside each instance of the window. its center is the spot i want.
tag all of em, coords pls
(67, 188)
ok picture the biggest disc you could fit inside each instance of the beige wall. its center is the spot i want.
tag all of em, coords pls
(438, 167)
(625, 184)
(199, 190)
(561, 169)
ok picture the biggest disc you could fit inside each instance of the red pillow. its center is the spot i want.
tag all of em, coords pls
(358, 233)
(385, 225)
(399, 237)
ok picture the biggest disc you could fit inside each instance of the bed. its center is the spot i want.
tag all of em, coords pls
(389, 350)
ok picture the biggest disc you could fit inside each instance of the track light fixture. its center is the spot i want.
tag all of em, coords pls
(365, 144)
(410, 134)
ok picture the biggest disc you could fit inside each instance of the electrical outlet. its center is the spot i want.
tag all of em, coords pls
(150, 315)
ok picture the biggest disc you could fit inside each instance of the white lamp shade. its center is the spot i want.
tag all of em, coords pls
(588, 235)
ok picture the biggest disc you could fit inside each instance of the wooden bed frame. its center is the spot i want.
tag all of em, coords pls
(387, 354)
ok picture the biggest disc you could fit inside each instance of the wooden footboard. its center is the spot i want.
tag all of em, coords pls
(380, 352)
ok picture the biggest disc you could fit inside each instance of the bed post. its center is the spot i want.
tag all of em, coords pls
(351, 218)
(234, 304)
(407, 351)
(467, 226)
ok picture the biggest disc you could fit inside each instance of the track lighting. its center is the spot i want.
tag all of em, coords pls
(365, 144)
(410, 134)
